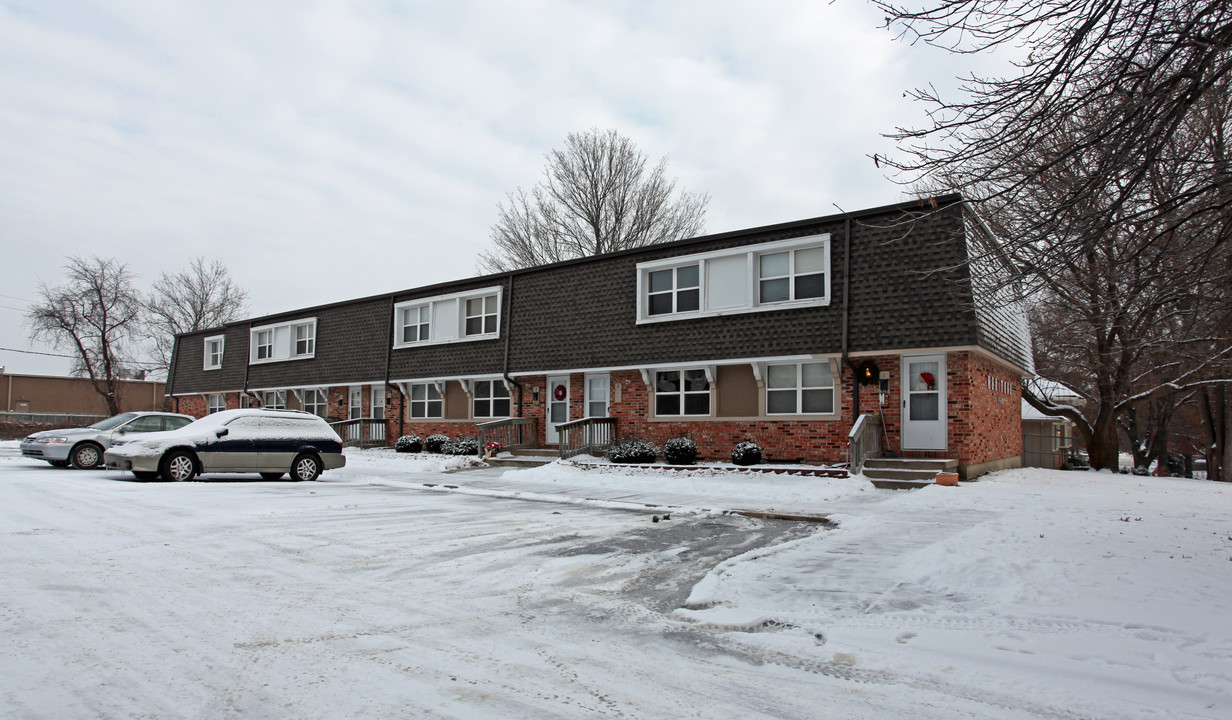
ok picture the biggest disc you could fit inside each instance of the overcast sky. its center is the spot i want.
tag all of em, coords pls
(332, 150)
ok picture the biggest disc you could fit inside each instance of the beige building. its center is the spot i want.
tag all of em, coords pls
(73, 396)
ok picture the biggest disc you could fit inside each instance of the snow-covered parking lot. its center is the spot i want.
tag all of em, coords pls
(1029, 594)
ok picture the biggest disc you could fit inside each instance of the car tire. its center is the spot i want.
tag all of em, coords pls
(178, 466)
(145, 475)
(306, 467)
(272, 476)
(86, 456)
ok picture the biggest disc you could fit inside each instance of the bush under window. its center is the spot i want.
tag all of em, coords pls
(632, 450)
(462, 446)
(435, 443)
(680, 451)
(408, 444)
(746, 453)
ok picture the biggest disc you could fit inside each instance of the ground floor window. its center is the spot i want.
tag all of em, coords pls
(316, 401)
(274, 399)
(799, 389)
(491, 399)
(426, 401)
(682, 392)
(378, 402)
(356, 404)
(217, 403)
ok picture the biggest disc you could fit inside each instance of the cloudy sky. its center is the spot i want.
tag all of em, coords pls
(331, 150)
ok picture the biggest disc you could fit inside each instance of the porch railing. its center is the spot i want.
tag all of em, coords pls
(512, 433)
(864, 441)
(590, 436)
(361, 432)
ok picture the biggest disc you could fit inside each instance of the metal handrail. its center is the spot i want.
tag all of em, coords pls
(588, 436)
(511, 433)
(864, 441)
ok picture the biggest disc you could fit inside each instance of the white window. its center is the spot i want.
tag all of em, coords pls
(682, 392)
(598, 389)
(754, 278)
(426, 401)
(800, 389)
(674, 290)
(213, 352)
(416, 324)
(274, 399)
(316, 401)
(460, 317)
(481, 315)
(378, 402)
(355, 404)
(791, 275)
(305, 339)
(295, 340)
(217, 403)
(491, 399)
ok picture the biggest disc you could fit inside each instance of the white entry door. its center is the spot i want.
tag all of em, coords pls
(924, 422)
(558, 407)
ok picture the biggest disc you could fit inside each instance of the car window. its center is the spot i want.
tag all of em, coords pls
(146, 423)
(113, 421)
(245, 424)
(175, 423)
(293, 427)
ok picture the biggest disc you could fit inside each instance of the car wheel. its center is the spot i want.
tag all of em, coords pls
(145, 475)
(87, 456)
(178, 466)
(306, 467)
(272, 476)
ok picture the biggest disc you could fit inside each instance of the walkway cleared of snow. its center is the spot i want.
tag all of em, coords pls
(1029, 594)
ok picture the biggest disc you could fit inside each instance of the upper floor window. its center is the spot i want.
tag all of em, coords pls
(491, 399)
(213, 352)
(682, 392)
(460, 317)
(800, 389)
(293, 340)
(754, 278)
(426, 401)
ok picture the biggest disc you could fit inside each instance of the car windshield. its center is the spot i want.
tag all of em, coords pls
(112, 422)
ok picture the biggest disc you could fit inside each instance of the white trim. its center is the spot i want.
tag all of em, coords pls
(282, 349)
(695, 364)
(751, 303)
(458, 300)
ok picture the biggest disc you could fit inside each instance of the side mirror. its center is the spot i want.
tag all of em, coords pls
(220, 432)
(122, 429)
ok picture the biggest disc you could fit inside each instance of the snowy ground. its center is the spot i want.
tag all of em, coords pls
(1029, 594)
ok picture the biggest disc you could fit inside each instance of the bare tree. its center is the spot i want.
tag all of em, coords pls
(96, 314)
(597, 196)
(199, 297)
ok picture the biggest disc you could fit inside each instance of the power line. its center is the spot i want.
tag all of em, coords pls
(35, 352)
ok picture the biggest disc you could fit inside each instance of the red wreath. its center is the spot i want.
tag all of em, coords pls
(559, 392)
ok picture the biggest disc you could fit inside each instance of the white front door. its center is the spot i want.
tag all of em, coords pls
(558, 407)
(924, 422)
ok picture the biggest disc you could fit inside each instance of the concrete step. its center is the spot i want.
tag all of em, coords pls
(922, 476)
(896, 463)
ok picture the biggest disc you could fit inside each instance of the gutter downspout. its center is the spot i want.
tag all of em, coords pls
(855, 379)
(508, 337)
(389, 351)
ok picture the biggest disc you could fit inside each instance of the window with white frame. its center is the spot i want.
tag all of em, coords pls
(378, 402)
(316, 401)
(213, 352)
(481, 315)
(274, 399)
(674, 290)
(217, 403)
(491, 399)
(416, 324)
(800, 389)
(426, 401)
(460, 317)
(791, 275)
(681, 392)
(754, 278)
(355, 403)
(295, 340)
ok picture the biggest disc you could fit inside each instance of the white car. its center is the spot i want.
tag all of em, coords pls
(250, 440)
(84, 447)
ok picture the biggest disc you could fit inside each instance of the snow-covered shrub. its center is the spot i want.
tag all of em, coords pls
(435, 443)
(680, 451)
(746, 453)
(408, 444)
(462, 446)
(632, 450)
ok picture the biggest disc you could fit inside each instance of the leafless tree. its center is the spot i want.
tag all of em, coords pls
(96, 314)
(199, 297)
(597, 196)
(1103, 168)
